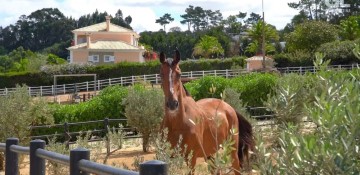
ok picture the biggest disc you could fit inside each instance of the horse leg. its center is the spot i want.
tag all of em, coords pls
(236, 162)
(192, 164)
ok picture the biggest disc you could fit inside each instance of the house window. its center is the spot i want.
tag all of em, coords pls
(109, 58)
(93, 58)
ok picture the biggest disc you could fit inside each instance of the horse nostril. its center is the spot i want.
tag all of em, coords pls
(176, 104)
(172, 104)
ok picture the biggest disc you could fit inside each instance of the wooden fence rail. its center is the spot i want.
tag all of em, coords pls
(129, 132)
(78, 161)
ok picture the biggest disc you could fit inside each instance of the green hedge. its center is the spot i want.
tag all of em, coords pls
(45, 77)
(108, 104)
(340, 52)
(254, 87)
(294, 59)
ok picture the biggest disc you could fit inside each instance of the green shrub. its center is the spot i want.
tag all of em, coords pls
(290, 94)
(339, 52)
(18, 112)
(206, 87)
(144, 110)
(108, 104)
(332, 146)
(294, 59)
(255, 88)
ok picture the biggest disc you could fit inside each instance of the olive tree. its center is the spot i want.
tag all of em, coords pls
(144, 111)
(19, 111)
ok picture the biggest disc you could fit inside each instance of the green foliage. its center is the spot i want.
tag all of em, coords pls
(339, 52)
(356, 51)
(174, 157)
(144, 110)
(332, 145)
(53, 168)
(294, 59)
(108, 104)
(36, 62)
(350, 28)
(290, 94)
(233, 98)
(310, 35)
(19, 111)
(208, 46)
(206, 87)
(54, 59)
(255, 88)
(165, 19)
(256, 35)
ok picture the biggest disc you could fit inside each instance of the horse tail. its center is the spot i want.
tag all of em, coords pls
(246, 139)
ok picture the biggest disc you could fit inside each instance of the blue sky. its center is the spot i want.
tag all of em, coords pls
(145, 12)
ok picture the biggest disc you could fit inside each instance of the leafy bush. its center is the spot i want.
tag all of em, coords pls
(144, 110)
(174, 157)
(206, 87)
(294, 59)
(291, 93)
(310, 35)
(332, 147)
(19, 111)
(255, 88)
(339, 52)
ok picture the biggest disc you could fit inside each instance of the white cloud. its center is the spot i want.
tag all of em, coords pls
(145, 12)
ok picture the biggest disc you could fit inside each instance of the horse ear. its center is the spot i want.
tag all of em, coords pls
(176, 57)
(162, 57)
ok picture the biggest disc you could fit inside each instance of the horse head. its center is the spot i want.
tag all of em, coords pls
(171, 80)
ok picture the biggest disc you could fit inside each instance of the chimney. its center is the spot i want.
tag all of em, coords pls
(88, 40)
(107, 22)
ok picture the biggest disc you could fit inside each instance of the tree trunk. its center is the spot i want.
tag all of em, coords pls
(146, 138)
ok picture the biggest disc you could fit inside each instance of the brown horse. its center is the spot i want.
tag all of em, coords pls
(203, 125)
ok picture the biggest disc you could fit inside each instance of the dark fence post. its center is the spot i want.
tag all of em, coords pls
(37, 164)
(76, 155)
(84, 97)
(11, 158)
(67, 135)
(153, 167)
(106, 126)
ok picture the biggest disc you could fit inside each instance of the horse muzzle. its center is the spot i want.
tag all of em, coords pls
(172, 104)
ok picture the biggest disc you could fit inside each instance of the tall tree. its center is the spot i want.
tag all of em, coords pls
(297, 19)
(233, 24)
(256, 33)
(314, 9)
(310, 35)
(208, 46)
(201, 19)
(188, 17)
(165, 19)
(120, 20)
(128, 20)
(252, 19)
